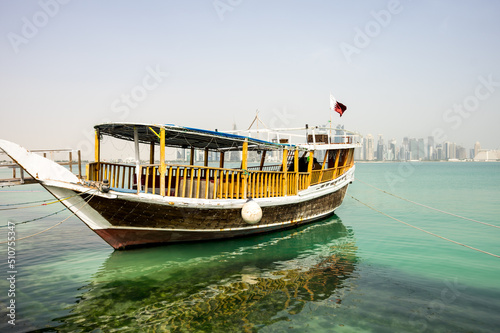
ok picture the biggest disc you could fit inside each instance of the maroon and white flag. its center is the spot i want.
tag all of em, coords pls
(337, 106)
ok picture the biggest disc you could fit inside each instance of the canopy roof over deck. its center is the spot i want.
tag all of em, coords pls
(186, 137)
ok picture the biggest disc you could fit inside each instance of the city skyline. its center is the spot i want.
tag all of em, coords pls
(402, 68)
(418, 148)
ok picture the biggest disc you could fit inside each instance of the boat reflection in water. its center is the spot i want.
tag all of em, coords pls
(241, 284)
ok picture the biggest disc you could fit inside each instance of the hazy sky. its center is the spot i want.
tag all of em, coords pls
(402, 68)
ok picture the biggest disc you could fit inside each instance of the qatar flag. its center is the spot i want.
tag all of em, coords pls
(337, 106)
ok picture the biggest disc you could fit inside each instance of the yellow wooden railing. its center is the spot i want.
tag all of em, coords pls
(324, 175)
(190, 181)
(118, 175)
(275, 167)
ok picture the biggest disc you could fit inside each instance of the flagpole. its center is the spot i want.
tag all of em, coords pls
(337, 107)
(330, 118)
(330, 126)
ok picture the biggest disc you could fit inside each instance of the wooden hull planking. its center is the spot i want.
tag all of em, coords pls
(123, 223)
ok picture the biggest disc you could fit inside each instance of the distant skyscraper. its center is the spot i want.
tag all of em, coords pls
(413, 149)
(234, 156)
(369, 154)
(446, 150)
(471, 154)
(421, 149)
(430, 147)
(439, 152)
(392, 153)
(380, 148)
(406, 147)
(461, 153)
(477, 148)
(453, 150)
(450, 150)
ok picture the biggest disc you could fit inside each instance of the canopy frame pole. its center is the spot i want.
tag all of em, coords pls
(285, 172)
(97, 151)
(221, 160)
(296, 170)
(191, 157)
(137, 159)
(163, 167)
(309, 167)
(262, 160)
(244, 167)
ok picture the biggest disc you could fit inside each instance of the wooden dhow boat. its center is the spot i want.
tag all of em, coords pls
(295, 176)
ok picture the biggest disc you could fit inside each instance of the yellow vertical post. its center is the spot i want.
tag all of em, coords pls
(296, 170)
(244, 164)
(335, 172)
(323, 166)
(285, 170)
(346, 159)
(97, 152)
(97, 146)
(138, 169)
(163, 167)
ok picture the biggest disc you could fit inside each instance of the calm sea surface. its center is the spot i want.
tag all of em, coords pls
(356, 271)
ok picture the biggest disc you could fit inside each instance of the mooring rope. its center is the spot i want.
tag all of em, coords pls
(44, 204)
(25, 203)
(35, 219)
(55, 225)
(428, 207)
(428, 232)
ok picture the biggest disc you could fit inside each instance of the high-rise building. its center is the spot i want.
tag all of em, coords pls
(477, 148)
(369, 153)
(450, 150)
(413, 149)
(461, 153)
(380, 148)
(453, 150)
(406, 149)
(402, 153)
(392, 153)
(421, 149)
(430, 147)
(438, 153)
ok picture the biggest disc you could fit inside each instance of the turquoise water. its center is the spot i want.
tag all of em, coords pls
(357, 271)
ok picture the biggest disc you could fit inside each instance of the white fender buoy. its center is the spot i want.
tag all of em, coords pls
(251, 212)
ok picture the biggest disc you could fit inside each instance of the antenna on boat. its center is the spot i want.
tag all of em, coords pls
(256, 121)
